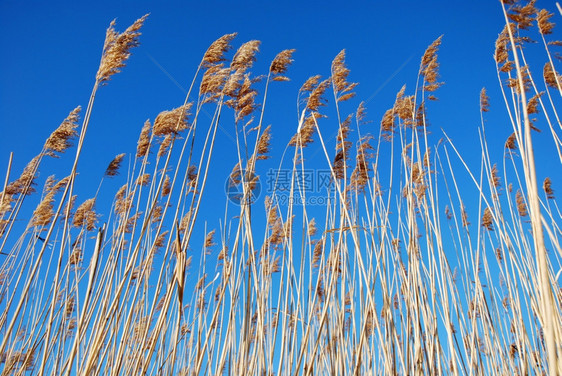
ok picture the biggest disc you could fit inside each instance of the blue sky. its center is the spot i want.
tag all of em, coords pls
(52, 51)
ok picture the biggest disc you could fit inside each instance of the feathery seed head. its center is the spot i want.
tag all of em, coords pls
(551, 77)
(360, 175)
(116, 49)
(143, 144)
(245, 101)
(514, 82)
(340, 72)
(545, 26)
(306, 133)
(361, 113)
(429, 67)
(521, 206)
(210, 239)
(44, 213)
(484, 101)
(85, 215)
(312, 227)
(547, 187)
(59, 140)
(143, 180)
(166, 187)
(316, 99)
(310, 84)
(280, 64)
(464, 216)
(114, 165)
(524, 15)
(495, 179)
(213, 81)
(172, 122)
(245, 56)
(487, 219)
(164, 145)
(510, 143)
(216, 51)
(264, 144)
(388, 124)
(24, 184)
(501, 54)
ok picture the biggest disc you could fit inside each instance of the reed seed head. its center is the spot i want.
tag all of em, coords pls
(316, 98)
(464, 216)
(24, 184)
(210, 239)
(340, 73)
(306, 133)
(216, 51)
(484, 101)
(510, 143)
(264, 144)
(311, 228)
(245, 57)
(495, 179)
(164, 145)
(44, 213)
(172, 122)
(143, 144)
(113, 167)
(521, 206)
(117, 49)
(143, 180)
(166, 187)
(551, 77)
(545, 26)
(487, 219)
(280, 64)
(59, 140)
(523, 16)
(85, 215)
(547, 187)
(429, 67)
(501, 55)
(213, 81)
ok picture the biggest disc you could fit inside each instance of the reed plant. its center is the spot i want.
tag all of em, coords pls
(416, 262)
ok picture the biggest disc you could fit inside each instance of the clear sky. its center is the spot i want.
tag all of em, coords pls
(51, 51)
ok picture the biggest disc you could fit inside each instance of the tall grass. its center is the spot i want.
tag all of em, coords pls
(404, 269)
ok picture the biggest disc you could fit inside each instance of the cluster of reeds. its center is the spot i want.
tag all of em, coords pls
(402, 271)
